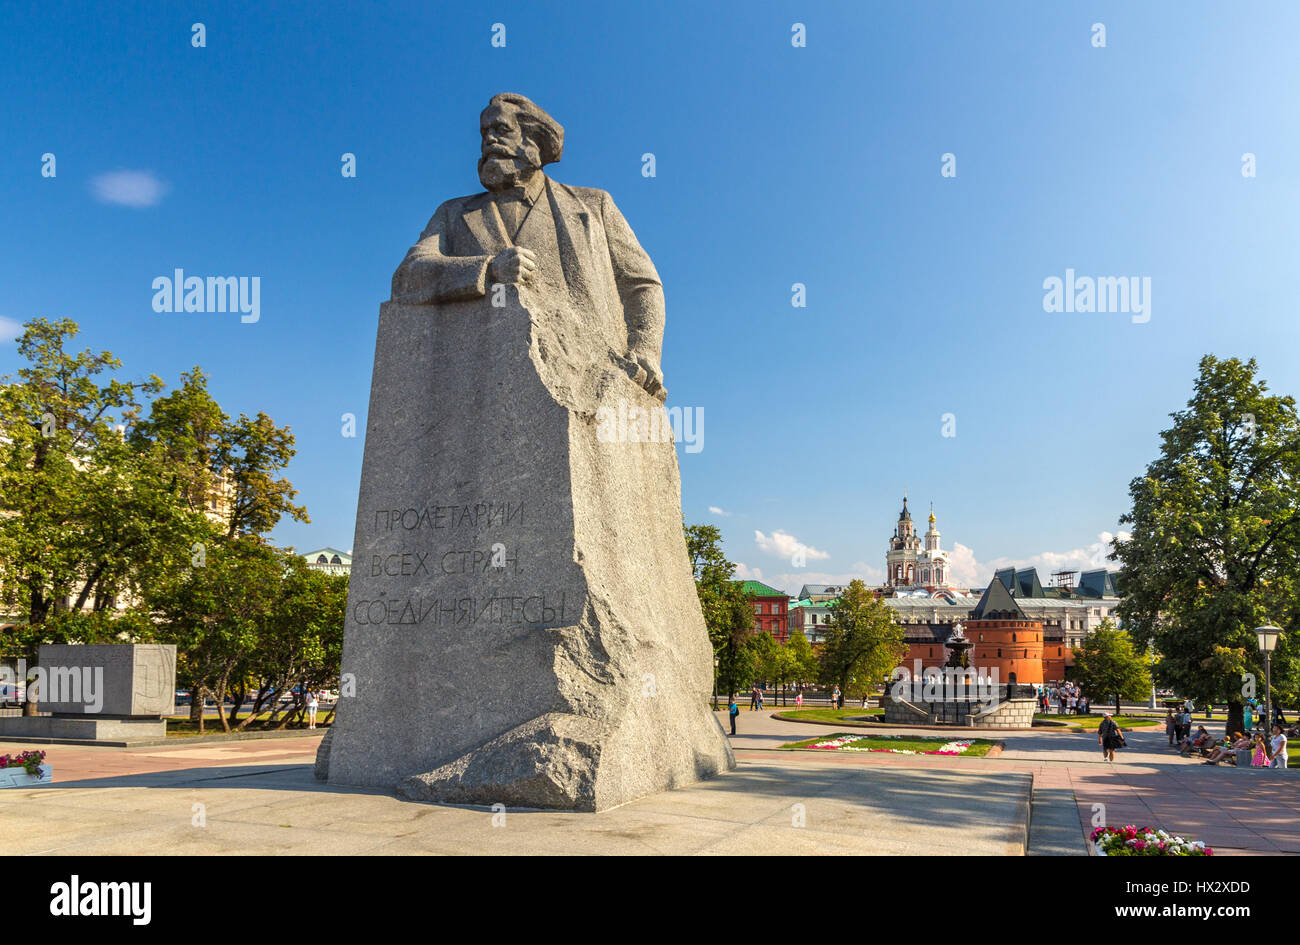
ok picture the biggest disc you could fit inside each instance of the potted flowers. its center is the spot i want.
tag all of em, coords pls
(1143, 841)
(26, 769)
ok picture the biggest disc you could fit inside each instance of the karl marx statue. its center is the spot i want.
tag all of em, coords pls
(523, 625)
(530, 230)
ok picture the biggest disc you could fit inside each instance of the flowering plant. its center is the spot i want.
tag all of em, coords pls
(29, 761)
(1143, 841)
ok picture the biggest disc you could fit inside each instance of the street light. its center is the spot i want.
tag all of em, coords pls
(1267, 644)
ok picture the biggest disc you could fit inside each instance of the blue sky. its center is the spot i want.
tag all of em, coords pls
(775, 165)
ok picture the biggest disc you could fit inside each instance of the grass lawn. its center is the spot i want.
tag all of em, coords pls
(909, 744)
(1092, 721)
(834, 716)
(180, 726)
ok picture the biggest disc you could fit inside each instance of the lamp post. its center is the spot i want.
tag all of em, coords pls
(1267, 644)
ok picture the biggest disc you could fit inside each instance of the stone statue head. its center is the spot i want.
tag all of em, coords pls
(518, 139)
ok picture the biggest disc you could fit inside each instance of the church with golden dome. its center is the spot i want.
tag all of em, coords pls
(913, 563)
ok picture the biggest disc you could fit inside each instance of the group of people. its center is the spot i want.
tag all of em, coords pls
(1066, 697)
(1266, 751)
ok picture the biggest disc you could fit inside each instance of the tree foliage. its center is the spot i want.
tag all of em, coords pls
(728, 609)
(1215, 536)
(1109, 666)
(863, 642)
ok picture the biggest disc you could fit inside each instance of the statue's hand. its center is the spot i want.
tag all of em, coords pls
(512, 266)
(645, 372)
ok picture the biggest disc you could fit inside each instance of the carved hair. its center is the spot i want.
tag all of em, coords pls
(545, 131)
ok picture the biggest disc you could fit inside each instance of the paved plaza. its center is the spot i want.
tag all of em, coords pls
(259, 796)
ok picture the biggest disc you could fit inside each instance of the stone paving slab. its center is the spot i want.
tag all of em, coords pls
(774, 806)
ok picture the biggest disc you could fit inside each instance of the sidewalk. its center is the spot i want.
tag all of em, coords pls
(244, 798)
(1251, 811)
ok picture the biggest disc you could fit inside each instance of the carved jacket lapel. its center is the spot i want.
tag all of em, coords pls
(574, 231)
(485, 224)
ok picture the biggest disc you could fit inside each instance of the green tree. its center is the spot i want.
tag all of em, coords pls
(1215, 534)
(728, 609)
(1109, 666)
(218, 614)
(863, 643)
(767, 657)
(803, 659)
(86, 514)
(300, 648)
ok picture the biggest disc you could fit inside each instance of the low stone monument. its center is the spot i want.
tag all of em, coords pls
(99, 692)
(522, 626)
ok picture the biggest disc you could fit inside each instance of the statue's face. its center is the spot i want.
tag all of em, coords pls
(508, 154)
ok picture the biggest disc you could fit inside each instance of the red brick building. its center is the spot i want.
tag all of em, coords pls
(770, 609)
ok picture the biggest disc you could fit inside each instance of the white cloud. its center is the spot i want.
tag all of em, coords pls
(968, 571)
(9, 330)
(717, 511)
(786, 546)
(130, 188)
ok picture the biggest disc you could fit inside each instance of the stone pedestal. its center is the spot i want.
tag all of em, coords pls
(139, 679)
(522, 626)
(117, 692)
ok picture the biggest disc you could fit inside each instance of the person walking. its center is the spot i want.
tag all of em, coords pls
(1171, 727)
(759, 693)
(733, 710)
(313, 703)
(1278, 745)
(835, 698)
(1248, 716)
(1109, 737)
(798, 699)
(753, 698)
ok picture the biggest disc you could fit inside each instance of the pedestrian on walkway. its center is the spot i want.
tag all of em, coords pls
(759, 693)
(1109, 737)
(313, 703)
(733, 710)
(753, 699)
(1260, 758)
(1171, 727)
(1279, 746)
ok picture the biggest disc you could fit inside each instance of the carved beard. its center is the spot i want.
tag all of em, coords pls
(498, 173)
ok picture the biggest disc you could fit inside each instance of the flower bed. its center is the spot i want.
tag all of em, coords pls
(1143, 841)
(864, 743)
